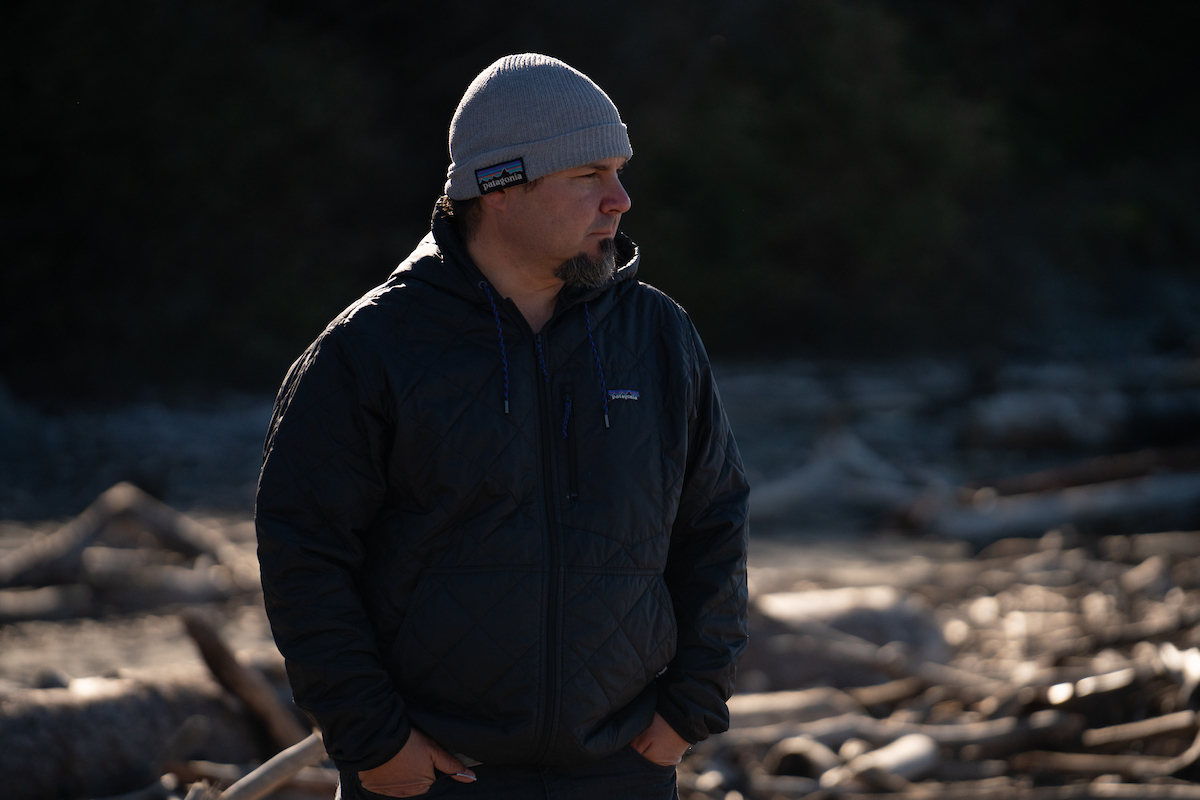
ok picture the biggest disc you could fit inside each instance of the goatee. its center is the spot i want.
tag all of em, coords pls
(589, 272)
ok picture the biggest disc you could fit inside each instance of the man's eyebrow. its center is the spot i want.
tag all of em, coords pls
(600, 167)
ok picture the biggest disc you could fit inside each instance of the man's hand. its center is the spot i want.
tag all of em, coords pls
(660, 743)
(410, 772)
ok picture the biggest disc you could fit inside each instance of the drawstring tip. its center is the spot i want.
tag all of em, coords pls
(505, 406)
(606, 419)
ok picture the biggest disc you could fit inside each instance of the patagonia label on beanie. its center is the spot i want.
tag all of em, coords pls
(501, 176)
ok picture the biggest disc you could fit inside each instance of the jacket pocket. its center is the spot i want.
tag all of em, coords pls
(469, 643)
(647, 763)
(619, 633)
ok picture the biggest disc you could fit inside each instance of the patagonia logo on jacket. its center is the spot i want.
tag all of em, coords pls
(623, 394)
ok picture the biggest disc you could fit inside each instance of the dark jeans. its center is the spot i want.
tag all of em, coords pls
(625, 775)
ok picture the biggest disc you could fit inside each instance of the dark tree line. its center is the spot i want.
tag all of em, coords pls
(195, 188)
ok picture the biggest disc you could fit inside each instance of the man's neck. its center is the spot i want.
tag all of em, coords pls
(533, 290)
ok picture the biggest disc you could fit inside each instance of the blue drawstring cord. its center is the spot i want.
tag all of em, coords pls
(500, 333)
(587, 320)
(541, 358)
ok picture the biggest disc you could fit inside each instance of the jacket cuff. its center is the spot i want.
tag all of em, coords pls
(680, 723)
(385, 750)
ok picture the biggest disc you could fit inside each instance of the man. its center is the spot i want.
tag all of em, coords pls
(501, 515)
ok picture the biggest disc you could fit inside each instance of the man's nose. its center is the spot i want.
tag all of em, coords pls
(616, 199)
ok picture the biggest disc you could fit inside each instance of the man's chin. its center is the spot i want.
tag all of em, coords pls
(590, 271)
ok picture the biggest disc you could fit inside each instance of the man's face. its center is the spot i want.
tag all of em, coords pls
(569, 214)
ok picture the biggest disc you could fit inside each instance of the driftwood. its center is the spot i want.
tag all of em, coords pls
(1154, 497)
(55, 558)
(245, 683)
(1131, 766)
(46, 602)
(800, 755)
(194, 538)
(135, 579)
(1060, 693)
(1142, 729)
(909, 757)
(61, 557)
(766, 708)
(995, 735)
(1037, 623)
(891, 661)
(887, 693)
(63, 742)
(315, 780)
(1101, 469)
(278, 770)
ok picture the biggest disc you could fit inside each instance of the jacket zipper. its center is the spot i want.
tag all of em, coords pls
(569, 435)
(550, 713)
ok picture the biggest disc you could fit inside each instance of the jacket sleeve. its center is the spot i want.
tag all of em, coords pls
(322, 483)
(706, 568)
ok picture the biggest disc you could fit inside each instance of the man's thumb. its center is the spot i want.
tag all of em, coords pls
(444, 762)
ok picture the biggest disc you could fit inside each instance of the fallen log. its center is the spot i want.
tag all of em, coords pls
(993, 735)
(58, 557)
(1101, 469)
(892, 661)
(55, 558)
(1142, 729)
(193, 538)
(1155, 497)
(1089, 764)
(247, 684)
(910, 757)
(1130, 766)
(887, 693)
(164, 584)
(46, 602)
(1060, 693)
(316, 780)
(65, 742)
(766, 708)
(800, 755)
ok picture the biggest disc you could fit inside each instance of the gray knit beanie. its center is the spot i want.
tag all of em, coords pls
(527, 116)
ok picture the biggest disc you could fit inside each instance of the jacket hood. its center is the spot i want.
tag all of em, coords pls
(441, 259)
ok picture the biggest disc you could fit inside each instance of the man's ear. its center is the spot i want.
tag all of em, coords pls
(497, 200)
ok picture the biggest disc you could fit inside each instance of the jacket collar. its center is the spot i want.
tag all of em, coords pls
(441, 259)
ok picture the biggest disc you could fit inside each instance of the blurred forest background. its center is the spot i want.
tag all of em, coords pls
(193, 189)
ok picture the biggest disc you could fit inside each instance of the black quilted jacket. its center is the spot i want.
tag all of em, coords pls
(525, 585)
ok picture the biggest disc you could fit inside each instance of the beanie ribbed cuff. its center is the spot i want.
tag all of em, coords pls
(573, 149)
